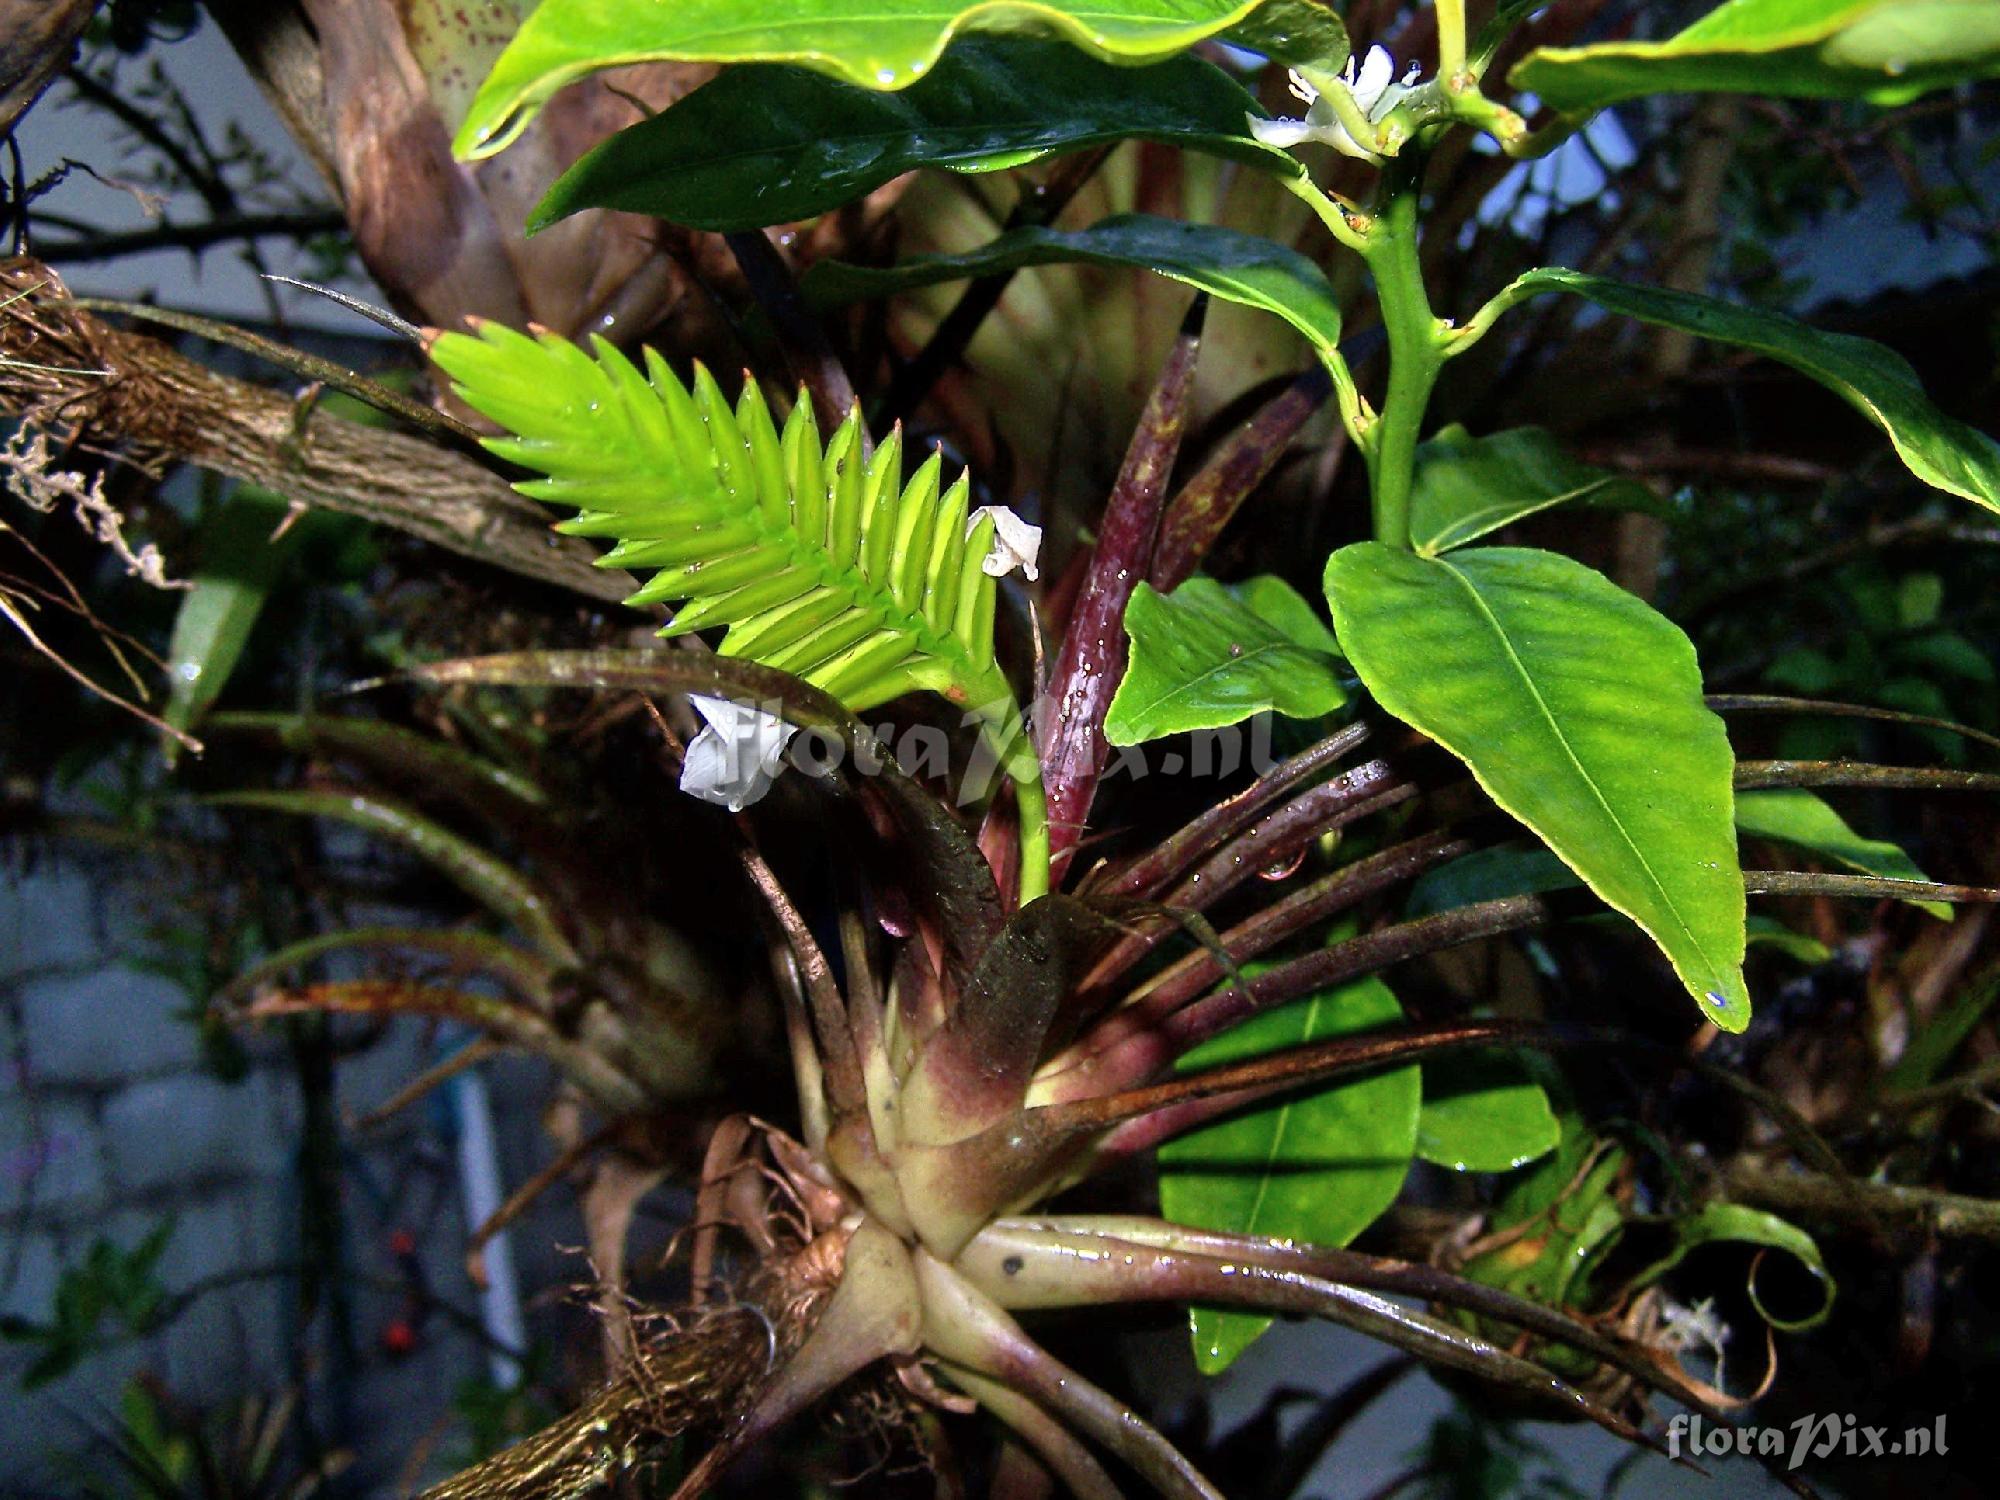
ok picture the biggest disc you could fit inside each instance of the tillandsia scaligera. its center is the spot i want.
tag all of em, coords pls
(1010, 1000)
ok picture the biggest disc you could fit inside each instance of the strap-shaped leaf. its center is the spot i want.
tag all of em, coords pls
(820, 560)
(1803, 819)
(1579, 709)
(879, 44)
(1884, 51)
(1872, 378)
(1242, 268)
(764, 144)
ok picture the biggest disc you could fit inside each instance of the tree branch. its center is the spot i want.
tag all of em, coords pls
(1871, 1206)
(35, 41)
(64, 367)
(193, 238)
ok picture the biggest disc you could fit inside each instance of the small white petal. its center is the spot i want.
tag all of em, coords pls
(1283, 134)
(736, 758)
(1388, 100)
(1302, 90)
(1016, 544)
(1378, 71)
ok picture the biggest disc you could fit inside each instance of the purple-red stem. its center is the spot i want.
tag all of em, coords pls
(1092, 660)
(1206, 504)
(1337, 892)
(1271, 842)
(1149, 873)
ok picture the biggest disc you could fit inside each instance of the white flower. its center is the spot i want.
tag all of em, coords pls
(1689, 1327)
(736, 758)
(1371, 87)
(1016, 544)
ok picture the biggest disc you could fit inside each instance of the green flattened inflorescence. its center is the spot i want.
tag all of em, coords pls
(817, 557)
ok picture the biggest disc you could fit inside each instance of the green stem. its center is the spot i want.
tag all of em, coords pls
(1481, 323)
(1350, 228)
(1338, 217)
(1013, 749)
(1415, 346)
(1034, 810)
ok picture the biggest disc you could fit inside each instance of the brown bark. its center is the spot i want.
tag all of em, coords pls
(70, 370)
(36, 38)
(279, 49)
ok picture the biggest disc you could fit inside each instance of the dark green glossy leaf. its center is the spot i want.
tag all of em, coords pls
(765, 144)
(1932, 1047)
(240, 562)
(1207, 656)
(1484, 1114)
(1236, 267)
(1874, 380)
(1579, 709)
(1318, 1169)
(1466, 487)
(877, 44)
(1803, 820)
(1489, 875)
(1884, 51)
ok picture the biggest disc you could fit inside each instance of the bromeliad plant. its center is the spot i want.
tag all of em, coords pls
(972, 1052)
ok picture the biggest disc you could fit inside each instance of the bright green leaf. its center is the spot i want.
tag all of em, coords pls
(764, 145)
(1236, 267)
(1206, 656)
(1804, 820)
(1734, 1224)
(1873, 379)
(1884, 51)
(241, 557)
(1484, 1114)
(1318, 1169)
(1769, 932)
(1579, 709)
(1466, 487)
(878, 44)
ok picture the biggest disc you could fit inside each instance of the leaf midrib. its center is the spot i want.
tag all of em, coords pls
(1717, 972)
(1266, 648)
(1450, 537)
(1108, 131)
